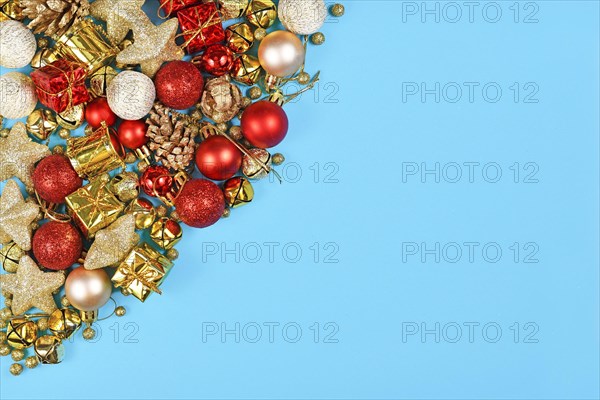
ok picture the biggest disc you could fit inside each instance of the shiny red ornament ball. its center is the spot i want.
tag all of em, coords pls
(156, 181)
(54, 178)
(132, 134)
(200, 203)
(264, 124)
(217, 60)
(57, 245)
(179, 84)
(97, 111)
(217, 158)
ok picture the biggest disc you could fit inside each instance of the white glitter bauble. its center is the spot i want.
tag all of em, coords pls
(17, 44)
(302, 17)
(17, 95)
(131, 95)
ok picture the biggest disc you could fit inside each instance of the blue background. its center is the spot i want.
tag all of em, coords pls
(364, 287)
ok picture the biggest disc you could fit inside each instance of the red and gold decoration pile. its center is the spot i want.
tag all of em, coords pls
(167, 141)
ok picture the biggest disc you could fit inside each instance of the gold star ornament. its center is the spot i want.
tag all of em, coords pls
(18, 155)
(120, 16)
(152, 46)
(112, 244)
(16, 216)
(30, 287)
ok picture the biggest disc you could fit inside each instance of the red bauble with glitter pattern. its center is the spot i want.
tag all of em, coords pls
(264, 124)
(98, 111)
(156, 181)
(57, 245)
(179, 84)
(132, 134)
(200, 203)
(217, 158)
(217, 60)
(54, 178)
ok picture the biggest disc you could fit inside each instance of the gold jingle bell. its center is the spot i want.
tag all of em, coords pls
(100, 80)
(21, 333)
(251, 168)
(10, 9)
(166, 233)
(238, 191)
(125, 186)
(261, 13)
(143, 211)
(64, 322)
(49, 349)
(246, 69)
(41, 123)
(72, 118)
(10, 254)
(239, 37)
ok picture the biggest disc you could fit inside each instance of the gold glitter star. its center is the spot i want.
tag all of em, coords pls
(30, 287)
(152, 46)
(16, 216)
(18, 154)
(112, 244)
(120, 16)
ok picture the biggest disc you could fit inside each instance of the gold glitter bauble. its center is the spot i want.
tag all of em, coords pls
(112, 244)
(259, 34)
(120, 311)
(172, 254)
(226, 213)
(17, 355)
(143, 212)
(238, 191)
(125, 186)
(89, 333)
(31, 362)
(239, 37)
(142, 165)
(254, 92)
(3, 337)
(303, 78)
(261, 13)
(166, 233)
(31, 287)
(236, 132)
(5, 313)
(278, 159)
(317, 38)
(130, 158)
(64, 133)
(64, 322)
(3, 324)
(16, 369)
(88, 130)
(10, 254)
(41, 123)
(16, 216)
(161, 210)
(42, 324)
(4, 133)
(49, 349)
(337, 10)
(4, 350)
(43, 43)
(251, 168)
(72, 118)
(19, 154)
(21, 333)
(64, 301)
(58, 149)
(100, 80)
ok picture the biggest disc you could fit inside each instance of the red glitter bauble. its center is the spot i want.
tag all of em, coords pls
(200, 204)
(217, 60)
(156, 181)
(132, 134)
(217, 158)
(57, 245)
(264, 124)
(54, 178)
(97, 111)
(179, 84)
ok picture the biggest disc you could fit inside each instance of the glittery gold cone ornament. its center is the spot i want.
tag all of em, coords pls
(113, 243)
(16, 216)
(18, 155)
(30, 287)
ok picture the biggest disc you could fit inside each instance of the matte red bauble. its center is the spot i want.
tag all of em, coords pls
(57, 245)
(54, 178)
(156, 181)
(132, 134)
(97, 111)
(264, 124)
(217, 158)
(200, 203)
(217, 60)
(179, 84)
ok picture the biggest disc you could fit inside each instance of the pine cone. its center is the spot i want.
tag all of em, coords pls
(171, 137)
(54, 17)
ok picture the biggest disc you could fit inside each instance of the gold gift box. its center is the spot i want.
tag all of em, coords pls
(142, 272)
(93, 207)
